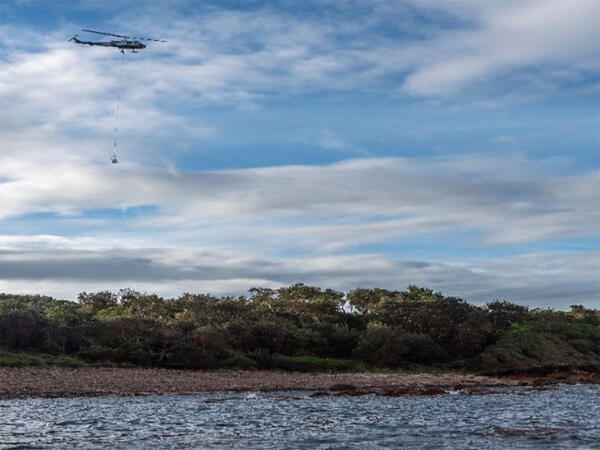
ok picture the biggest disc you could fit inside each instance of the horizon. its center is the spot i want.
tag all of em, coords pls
(381, 144)
(120, 294)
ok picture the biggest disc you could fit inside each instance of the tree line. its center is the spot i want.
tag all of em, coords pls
(300, 328)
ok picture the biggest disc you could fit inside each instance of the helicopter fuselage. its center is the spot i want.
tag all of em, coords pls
(128, 45)
(123, 44)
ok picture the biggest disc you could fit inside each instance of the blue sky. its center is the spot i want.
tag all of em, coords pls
(453, 145)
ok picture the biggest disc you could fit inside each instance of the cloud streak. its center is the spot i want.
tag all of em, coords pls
(535, 279)
(507, 200)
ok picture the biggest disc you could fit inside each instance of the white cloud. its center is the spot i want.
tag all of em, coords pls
(508, 36)
(329, 140)
(506, 200)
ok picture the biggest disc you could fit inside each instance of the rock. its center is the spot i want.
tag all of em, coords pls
(351, 393)
(342, 387)
(399, 392)
(320, 394)
(433, 391)
(543, 381)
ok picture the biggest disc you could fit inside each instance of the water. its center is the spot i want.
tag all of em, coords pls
(568, 417)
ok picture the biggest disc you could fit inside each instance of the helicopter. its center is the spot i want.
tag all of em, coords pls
(124, 44)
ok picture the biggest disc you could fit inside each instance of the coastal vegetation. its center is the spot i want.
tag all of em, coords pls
(299, 328)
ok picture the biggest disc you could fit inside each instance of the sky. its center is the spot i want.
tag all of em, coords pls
(340, 143)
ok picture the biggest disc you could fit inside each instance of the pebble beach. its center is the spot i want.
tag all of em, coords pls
(100, 381)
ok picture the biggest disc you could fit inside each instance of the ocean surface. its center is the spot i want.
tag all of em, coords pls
(567, 417)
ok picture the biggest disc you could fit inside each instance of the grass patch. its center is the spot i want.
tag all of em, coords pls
(522, 350)
(236, 360)
(21, 359)
(307, 363)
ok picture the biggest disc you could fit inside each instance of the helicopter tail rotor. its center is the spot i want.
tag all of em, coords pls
(74, 38)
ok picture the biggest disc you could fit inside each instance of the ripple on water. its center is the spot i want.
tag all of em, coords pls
(564, 418)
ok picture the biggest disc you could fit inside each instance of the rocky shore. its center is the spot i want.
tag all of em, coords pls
(85, 382)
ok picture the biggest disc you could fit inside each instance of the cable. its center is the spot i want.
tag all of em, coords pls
(117, 110)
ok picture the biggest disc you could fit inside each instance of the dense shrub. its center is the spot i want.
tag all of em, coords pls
(391, 347)
(294, 328)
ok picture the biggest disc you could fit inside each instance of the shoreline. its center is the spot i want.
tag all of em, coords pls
(56, 382)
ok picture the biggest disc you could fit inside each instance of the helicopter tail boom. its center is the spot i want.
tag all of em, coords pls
(102, 44)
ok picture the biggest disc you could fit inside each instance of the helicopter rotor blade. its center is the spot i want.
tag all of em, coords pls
(147, 39)
(122, 36)
(106, 34)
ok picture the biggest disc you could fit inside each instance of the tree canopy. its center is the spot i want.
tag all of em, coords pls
(299, 327)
